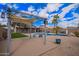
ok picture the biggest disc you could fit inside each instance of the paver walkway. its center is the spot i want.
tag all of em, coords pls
(35, 46)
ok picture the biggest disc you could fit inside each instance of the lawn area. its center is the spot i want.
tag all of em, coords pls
(18, 35)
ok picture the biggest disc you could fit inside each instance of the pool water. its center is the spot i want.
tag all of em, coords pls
(51, 34)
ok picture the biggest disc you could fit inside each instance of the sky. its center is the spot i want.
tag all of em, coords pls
(68, 12)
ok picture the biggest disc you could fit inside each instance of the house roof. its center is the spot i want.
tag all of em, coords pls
(73, 28)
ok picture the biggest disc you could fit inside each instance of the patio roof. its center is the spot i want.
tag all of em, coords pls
(15, 18)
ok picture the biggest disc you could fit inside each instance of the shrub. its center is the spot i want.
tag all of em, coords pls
(76, 34)
(18, 35)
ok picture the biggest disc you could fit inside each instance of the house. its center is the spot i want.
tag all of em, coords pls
(73, 29)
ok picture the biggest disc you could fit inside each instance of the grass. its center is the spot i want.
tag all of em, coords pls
(18, 35)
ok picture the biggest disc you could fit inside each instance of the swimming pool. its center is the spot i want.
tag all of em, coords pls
(49, 34)
(52, 34)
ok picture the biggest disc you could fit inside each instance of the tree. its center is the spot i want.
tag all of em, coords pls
(55, 30)
(55, 22)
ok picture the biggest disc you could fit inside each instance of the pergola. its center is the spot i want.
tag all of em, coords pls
(15, 18)
(18, 19)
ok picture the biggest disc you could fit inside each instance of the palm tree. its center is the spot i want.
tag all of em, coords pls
(55, 22)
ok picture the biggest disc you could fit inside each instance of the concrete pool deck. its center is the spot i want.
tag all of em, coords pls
(36, 47)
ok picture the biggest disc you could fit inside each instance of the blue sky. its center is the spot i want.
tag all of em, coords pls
(68, 12)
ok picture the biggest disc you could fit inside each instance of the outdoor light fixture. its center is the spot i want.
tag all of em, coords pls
(2, 15)
(45, 22)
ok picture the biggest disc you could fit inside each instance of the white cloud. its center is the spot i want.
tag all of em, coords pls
(3, 3)
(15, 6)
(38, 10)
(31, 8)
(43, 13)
(53, 7)
(75, 15)
(48, 8)
(66, 10)
(72, 23)
(63, 24)
(9, 5)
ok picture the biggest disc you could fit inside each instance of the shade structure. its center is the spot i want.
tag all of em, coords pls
(18, 19)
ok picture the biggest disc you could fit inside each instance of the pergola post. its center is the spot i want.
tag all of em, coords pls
(15, 28)
(45, 36)
(35, 29)
(9, 36)
(8, 41)
(67, 32)
(9, 31)
(30, 31)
